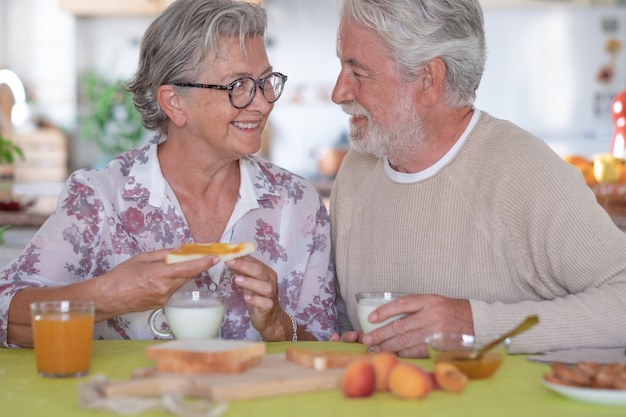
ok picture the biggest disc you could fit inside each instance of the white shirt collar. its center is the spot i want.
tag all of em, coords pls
(404, 178)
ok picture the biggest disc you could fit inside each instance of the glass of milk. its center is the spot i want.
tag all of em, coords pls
(366, 302)
(190, 315)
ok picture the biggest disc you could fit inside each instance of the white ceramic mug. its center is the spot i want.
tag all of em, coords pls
(191, 315)
(366, 302)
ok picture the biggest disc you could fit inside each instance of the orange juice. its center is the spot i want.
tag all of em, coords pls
(63, 342)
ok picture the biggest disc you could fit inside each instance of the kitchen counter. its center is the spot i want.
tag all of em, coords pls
(613, 198)
(44, 196)
(32, 217)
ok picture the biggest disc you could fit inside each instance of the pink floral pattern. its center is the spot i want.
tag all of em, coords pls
(106, 216)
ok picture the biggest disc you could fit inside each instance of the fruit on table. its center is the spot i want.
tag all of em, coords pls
(588, 174)
(473, 368)
(621, 167)
(605, 168)
(409, 381)
(384, 372)
(358, 379)
(576, 159)
(449, 377)
(383, 364)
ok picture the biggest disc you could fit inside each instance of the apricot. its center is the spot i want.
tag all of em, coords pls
(449, 377)
(586, 169)
(621, 168)
(409, 381)
(433, 381)
(576, 159)
(383, 364)
(358, 379)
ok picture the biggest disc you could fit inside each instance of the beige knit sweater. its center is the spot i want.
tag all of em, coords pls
(506, 224)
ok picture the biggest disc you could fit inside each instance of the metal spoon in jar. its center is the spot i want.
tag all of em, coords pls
(529, 322)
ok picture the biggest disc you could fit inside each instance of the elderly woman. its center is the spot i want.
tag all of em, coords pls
(205, 86)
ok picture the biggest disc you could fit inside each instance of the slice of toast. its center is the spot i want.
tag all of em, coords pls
(317, 359)
(225, 251)
(206, 356)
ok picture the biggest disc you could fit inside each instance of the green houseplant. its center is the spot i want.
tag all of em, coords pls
(2, 230)
(109, 118)
(9, 153)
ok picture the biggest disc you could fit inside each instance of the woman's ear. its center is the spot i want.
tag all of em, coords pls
(170, 101)
(432, 80)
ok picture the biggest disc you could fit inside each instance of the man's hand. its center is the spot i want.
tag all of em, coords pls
(425, 314)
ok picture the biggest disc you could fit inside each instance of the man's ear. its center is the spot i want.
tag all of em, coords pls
(170, 101)
(432, 80)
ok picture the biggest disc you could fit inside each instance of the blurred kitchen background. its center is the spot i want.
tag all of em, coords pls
(542, 71)
(553, 67)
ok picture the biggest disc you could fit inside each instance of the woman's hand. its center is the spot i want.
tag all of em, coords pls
(260, 293)
(145, 282)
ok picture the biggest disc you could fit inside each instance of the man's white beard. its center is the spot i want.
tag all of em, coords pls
(393, 142)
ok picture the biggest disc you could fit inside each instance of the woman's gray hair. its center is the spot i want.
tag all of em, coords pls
(176, 43)
(416, 31)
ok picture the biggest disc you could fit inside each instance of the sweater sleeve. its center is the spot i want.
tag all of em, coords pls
(573, 259)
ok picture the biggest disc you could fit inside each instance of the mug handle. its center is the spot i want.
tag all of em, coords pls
(153, 328)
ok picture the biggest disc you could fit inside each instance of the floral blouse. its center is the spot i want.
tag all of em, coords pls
(104, 217)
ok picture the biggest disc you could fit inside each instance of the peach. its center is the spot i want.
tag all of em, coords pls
(409, 381)
(358, 379)
(449, 377)
(433, 381)
(383, 363)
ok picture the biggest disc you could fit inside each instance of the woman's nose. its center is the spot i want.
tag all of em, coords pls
(259, 102)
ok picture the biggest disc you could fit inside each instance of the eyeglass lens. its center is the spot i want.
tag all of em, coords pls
(243, 91)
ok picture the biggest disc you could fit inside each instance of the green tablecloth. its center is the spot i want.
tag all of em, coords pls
(515, 390)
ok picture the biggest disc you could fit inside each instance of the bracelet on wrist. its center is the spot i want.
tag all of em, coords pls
(294, 326)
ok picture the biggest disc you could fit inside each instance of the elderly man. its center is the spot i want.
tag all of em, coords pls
(481, 222)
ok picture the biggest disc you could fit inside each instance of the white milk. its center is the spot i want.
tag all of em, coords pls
(366, 306)
(190, 319)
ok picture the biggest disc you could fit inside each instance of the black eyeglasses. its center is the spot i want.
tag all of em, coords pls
(241, 91)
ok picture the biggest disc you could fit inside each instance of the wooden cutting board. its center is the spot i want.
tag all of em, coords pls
(274, 375)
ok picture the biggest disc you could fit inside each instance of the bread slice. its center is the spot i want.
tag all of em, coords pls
(225, 251)
(206, 356)
(317, 359)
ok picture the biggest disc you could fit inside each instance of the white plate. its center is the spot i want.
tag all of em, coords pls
(589, 395)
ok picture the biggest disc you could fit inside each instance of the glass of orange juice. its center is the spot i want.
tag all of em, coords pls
(62, 335)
